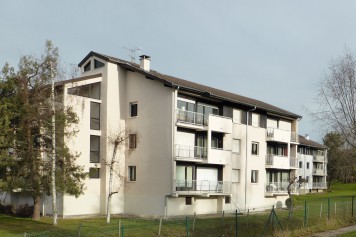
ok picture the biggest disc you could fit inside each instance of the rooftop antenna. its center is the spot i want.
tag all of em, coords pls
(132, 53)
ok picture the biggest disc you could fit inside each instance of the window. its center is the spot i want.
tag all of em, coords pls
(94, 173)
(227, 199)
(236, 116)
(87, 67)
(133, 109)
(236, 145)
(254, 149)
(94, 116)
(132, 173)
(300, 164)
(94, 149)
(98, 64)
(255, 120)
(235, 175)
(89, 90)
(132, 141)
(307, 165)
(254, 176)
(307, 179)
(217, 140)
(188, 200)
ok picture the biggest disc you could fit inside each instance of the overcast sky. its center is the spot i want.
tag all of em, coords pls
(274, 51)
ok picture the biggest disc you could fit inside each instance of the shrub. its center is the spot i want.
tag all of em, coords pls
(290, 201)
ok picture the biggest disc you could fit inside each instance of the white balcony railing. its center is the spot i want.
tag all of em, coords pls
(276, 161)
(190, 117)
(318, 158)
(202, 186)
(319, 185)
(190, 152)
(318, 171)
(280, 187)
(276, 134)
(294, 137)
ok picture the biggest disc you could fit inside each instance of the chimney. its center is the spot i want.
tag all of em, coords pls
(307, 136)
(145, 62)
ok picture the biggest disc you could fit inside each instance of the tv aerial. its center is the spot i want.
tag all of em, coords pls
(133, 52)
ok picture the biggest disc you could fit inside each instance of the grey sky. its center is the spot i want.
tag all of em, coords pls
(275, 51)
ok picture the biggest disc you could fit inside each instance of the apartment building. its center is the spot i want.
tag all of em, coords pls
(190, 148)
(312, 158)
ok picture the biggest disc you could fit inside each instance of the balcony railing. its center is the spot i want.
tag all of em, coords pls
(318, 171)
(293, 162)
(190, 152)
(280, 187)
(320, 185)
(202, 186)
(191, 117)
(318, 158)
(294, 137)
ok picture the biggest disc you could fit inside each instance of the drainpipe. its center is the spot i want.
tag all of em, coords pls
(246, 158)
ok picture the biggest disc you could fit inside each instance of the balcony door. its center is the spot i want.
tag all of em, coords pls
(185, 177)
(186, 111)
(201, 142)
(206, 110)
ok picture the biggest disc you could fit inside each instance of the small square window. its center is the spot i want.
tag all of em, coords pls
(132, 173)
(254, 150)
(132, 141)
(188, 200)
(227, 199)
(254, 176)
(133, 109)
(94, 173)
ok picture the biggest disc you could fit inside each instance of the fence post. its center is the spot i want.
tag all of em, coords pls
(119, 227)
(122, 231)
(236, 230)
(352, 207)
(187, 225)
(222, 217)
(321, 209)
(79, 228)
(305, 213)
(160, 226)
(335, 209)
(328, 209)
(194, 221)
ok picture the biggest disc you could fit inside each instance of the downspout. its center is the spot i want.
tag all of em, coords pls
(246, 158)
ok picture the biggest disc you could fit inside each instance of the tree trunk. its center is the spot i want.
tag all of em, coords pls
(111, 173)
(36, 208)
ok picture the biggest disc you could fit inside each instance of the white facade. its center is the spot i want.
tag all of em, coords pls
(192, 149)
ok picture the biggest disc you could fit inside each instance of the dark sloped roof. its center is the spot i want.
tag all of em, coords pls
(194, 87)
(308, 142)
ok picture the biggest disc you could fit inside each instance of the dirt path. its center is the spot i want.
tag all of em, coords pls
(337, 232)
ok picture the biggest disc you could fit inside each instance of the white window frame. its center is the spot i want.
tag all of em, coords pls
(254, 176)
(258, 148)
(130, 109)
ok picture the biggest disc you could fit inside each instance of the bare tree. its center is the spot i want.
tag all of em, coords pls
(337, 98)
(118, 141)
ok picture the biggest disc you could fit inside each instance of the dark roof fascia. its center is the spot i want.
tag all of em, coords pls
(102, 56)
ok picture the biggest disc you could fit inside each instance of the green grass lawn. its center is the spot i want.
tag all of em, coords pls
(305, 220)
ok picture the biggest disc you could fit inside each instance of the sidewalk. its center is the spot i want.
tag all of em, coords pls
(337, 232)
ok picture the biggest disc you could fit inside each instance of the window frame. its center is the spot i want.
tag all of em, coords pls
(132, 141)
(254, 176)
(91, 151)
(227, 199)
(133, 112)
(300, 164)
(132, 173)
(87, 67)
(308, 165)
(257, 150)
(91, 169)
(92, 127)
(188, 201)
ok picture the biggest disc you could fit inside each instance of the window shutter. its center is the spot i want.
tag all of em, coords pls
(227, 111)
(243, 117)
(263, 121)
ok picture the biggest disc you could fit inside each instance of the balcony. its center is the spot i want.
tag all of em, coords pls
(219, 156)
(319, 172)
(279, 188)
(201, 187)
(190, 153)
(191, 118)
(293, 163)
(318, 158)
(320, 185)
(278, 162)
(220, 124)
(278, 135)
(294, 137)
